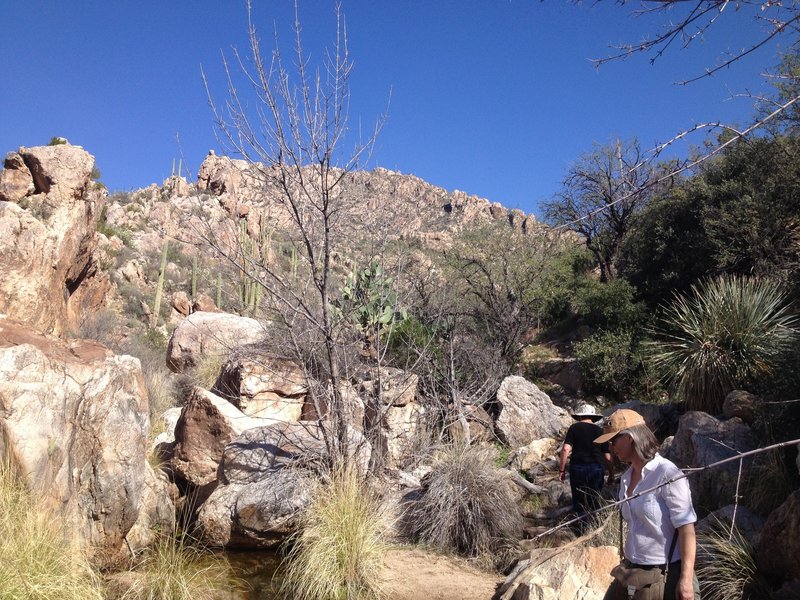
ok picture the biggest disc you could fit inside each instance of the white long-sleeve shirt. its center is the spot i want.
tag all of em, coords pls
(653, 518)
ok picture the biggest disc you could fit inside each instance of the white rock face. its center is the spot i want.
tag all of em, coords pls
(527, 413)
(75, 421)
(203, 333)
(580, 573)
(50, 277)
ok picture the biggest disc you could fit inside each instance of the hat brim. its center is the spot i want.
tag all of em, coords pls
(593, 417)
(605, 437)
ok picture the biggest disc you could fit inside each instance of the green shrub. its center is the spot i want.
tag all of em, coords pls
(338, 551)
(611, 364)
(466, 506)
(608, 305)
(38, 560)
(723, 335)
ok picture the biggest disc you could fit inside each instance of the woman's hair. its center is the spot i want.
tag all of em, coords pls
(644, 442)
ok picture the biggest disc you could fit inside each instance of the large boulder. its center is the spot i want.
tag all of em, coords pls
(206, 425)
(702, 440)
(74, 421)
(16, 180)
(263, 385)
(50, 276)
(266, 478)
(526, 413)
(216, 334)
(392, 415)
(778, 551)
(578, 573)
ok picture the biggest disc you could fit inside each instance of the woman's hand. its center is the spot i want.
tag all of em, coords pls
(684, 590)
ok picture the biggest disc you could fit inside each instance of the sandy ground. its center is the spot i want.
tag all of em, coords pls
(412, 574)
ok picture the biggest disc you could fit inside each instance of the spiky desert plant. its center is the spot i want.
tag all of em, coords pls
(466, 506)
(37, 559)
(176, 568)
(723, 334)
(727, 566)
(339, 549)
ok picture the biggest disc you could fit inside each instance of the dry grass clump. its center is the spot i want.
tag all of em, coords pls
(466, 506)
(174, 568)
(727, 567)
(37, 560)
(338, 552)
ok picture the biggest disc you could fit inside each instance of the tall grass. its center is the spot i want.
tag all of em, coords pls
(466, 506)
(175, 568)
(727, 567)
(37, 559)
(337, 554)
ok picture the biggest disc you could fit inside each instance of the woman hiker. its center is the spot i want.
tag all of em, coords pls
(660, 546)
(587, 460)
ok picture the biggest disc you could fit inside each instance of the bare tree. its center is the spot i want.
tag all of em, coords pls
(601, 196)
(688, 21)
(291, 126)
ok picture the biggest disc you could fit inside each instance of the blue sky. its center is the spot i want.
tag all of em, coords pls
(495, 98)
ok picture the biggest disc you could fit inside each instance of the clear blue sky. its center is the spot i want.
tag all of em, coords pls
(496, 98)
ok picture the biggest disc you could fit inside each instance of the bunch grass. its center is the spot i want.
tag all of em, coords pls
(37, 559)
(467, 507)
(338, 551)
(727, 567)
(176, 567)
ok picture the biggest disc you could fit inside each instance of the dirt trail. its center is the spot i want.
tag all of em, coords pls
(412, 574)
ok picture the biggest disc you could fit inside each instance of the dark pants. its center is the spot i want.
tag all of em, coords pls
(586, 482)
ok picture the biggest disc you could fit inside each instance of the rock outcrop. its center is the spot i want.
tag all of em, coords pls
(526, 413)
(702, 440)
(49, 210)
(580, 573)
(74, 421)
(216, 334)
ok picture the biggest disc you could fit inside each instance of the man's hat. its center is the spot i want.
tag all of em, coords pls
(586, 411)
(619, 420)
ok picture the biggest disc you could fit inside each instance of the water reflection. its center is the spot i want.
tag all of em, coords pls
(260, 571)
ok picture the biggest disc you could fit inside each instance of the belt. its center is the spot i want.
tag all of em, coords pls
(634, 565)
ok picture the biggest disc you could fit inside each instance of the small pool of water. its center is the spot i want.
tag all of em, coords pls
(259, 570)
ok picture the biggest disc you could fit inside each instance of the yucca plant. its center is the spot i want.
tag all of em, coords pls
(723, 334)
(338, 551)
(38, 561)
(727, 567)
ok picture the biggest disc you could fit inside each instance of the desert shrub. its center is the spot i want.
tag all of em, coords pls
(727, 566)
(611, 364)
(100, 326)
(466, 506)
(607, 305)
(38, 560)
(723, 335)
(207, 369)
(175, 568)
(338, 551)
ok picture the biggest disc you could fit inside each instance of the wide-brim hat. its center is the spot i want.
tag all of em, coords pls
(618, 421)
(586, 411)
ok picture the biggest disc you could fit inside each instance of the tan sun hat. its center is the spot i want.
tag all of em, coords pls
(586, 411)
(619, 420)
